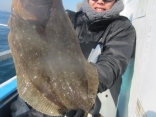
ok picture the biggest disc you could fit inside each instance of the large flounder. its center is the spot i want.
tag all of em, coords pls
(53, 75)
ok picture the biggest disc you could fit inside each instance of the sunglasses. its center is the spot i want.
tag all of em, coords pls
(105, 0)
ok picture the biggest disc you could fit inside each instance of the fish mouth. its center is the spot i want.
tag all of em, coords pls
(32, 9)
(18, 9)
(39, 2)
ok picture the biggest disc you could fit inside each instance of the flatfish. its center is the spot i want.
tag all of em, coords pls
(52, 74)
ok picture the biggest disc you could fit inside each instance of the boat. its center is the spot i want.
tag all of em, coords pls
(8, 89)
(137, 96)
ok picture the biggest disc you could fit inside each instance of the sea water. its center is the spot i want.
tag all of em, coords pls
(7, 69)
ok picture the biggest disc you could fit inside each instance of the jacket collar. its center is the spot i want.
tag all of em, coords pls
(95, 25)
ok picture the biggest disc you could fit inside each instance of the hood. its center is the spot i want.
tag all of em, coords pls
(109, 14)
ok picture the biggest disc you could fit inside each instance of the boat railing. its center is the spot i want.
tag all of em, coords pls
(8, 88)
(5, 55)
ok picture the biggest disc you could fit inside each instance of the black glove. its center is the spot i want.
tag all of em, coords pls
(75, 113)
(80, 113)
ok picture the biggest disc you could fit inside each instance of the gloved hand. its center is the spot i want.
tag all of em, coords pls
(80, 113)
(75, 113)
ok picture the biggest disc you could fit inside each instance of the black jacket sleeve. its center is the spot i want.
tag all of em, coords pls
(118, 49)
(71, 15)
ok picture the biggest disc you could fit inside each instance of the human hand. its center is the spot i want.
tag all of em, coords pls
(94, 112)
(75, 113)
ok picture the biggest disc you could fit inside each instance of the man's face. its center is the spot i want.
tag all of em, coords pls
(101, 5)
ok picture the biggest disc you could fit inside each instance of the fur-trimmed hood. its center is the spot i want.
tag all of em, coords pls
(110, 14)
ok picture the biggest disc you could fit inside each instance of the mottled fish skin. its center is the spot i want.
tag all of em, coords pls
(53, 75)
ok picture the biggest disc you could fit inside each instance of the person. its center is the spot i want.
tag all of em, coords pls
(99, 22)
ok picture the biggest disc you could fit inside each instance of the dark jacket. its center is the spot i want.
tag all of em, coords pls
(119, 38)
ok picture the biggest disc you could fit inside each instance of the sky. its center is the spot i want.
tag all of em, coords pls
(5, 5)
